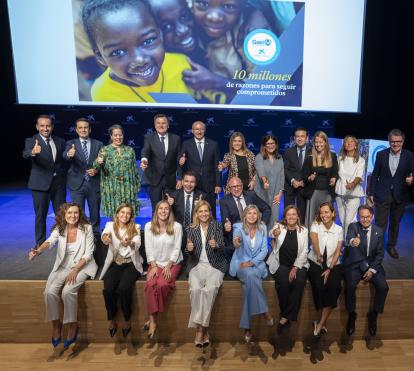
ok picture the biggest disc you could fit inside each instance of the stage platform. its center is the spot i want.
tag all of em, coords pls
(22, 315)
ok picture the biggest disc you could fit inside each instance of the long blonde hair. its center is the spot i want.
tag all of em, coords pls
(198, 205)
(258, 225)
(155, 224)
(131, 229)
(326, 155)
(342, 152)
(235, 135)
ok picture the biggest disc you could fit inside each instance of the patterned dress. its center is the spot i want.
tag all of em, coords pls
(120, 181)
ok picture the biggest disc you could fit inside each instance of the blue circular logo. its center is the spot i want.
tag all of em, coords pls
(261, 47)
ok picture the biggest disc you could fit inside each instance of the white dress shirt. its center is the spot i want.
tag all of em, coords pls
(203, 255)
(348, 170)
(52, 145)
(242, 201)
(328, 239)
(165, 141)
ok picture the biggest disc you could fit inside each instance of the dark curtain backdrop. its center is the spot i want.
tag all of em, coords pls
(385, 101)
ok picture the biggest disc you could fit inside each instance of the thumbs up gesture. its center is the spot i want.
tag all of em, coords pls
(182, 159)
(221, 166)
(227, 225)
(72, 151)
(212, 243)
(190, 245)
(276, 230)
(36, 149)
(356, 240)
(170, 200)
(237, 241)
(100, 160)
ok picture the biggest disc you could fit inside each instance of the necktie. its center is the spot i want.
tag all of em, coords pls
(187, 212)
(85, 150)
(301, 156)
(364, 238)
(49, 147)
(200, 151)
(240, 208)
(163, 145)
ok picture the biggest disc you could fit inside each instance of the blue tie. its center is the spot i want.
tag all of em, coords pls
(86, 154)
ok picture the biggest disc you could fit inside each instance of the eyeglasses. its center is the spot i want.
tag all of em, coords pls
(236, 186)
(396, 141)
(365, 217)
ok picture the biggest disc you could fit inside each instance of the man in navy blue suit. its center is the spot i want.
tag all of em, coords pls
(83, 180)
(364, 252)
(202, 156)
(232, 206)
(47, 176)
(390, 185)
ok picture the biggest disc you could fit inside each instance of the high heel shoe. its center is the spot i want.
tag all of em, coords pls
(316, 334)
(247, 339)
(206, 341)
(56, 342)
(112, 331)
(68, 342)
(126, 331)
(270, 322)
(151, 335)
(145, 326)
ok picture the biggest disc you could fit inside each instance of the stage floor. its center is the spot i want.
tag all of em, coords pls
(17, 237)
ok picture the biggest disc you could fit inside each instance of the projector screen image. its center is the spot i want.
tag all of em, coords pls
(252, 54)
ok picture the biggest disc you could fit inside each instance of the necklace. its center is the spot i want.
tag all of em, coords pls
(140, 96)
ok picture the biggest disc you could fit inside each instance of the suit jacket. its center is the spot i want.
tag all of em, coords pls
(79, 165)
(85, 250)
(382, 183)
(293, 169)
(246, 252)
(208, 176)
(179, 203)
(159, 165)
(357, 256)
(301, 258)
(308, 169)
(215, 256)
(43, 166)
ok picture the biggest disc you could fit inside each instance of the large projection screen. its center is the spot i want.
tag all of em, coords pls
(232, 54)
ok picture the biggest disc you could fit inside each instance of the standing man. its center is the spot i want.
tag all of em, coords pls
(159, 158)
(293, 161)
(364, 252)
(390, 185)
(202, 155)
(47, 176)
(83, 180)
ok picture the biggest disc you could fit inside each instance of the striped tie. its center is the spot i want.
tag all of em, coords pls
(86, 154)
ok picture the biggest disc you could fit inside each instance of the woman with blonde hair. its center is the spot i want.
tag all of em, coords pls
(122, 267)
(287, 264)
(206, 267)
(320, 172)
(348, 188)
(247, 264)
(239, 161)
(74, 264)
(163, 237)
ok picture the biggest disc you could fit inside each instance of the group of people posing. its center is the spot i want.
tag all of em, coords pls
(184, 180)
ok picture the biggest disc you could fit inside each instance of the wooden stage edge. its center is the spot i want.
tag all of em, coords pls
(22, 314)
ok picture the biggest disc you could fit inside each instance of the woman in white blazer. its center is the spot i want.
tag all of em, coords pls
(73, 265)
(123, 266)
(287, 263)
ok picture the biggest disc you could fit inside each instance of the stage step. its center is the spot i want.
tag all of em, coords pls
(22, 314)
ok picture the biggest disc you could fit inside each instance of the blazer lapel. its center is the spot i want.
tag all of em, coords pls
(42, 143)
(79, 237)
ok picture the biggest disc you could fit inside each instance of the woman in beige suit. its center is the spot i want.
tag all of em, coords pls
(74, 264)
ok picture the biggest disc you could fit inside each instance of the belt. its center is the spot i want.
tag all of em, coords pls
(120, 260)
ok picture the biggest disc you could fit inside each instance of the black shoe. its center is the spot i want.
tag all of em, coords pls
(316, 334)
(372, 323)
(350, 325)
(393, 252)
(126, 331)
(281, 327)
(112, 331)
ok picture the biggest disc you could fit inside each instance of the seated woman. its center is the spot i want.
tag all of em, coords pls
(206, 267)
(287, 264)
(74, 264)
(163, 249)
(247, 264)
(325, 269)
(123, 265)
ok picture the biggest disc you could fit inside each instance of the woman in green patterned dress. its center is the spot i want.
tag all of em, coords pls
(120, 182)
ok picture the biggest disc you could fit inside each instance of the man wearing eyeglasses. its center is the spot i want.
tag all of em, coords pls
(389, 191)
(232, 206)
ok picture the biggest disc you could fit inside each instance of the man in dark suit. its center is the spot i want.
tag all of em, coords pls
(364, 252)
(202, 156)
(83, 180)
(232, 206)
(47, 176)
(159, 158)
(390, 185)
(293, 160)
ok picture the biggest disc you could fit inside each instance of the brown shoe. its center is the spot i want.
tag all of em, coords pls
(393, 252)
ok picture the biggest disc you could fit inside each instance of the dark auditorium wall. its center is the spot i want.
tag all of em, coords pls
(384, 104)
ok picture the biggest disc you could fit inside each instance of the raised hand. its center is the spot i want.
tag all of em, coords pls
(72, 151)
(190, 245)
(227, 225)
(178, 184)
(356, 241)
(237, 241)
(221, 165)
(36, 149)
(182, 159)
(144, 165)
(170, 200)
(106, 239)
(276, 231)
(100, 159)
